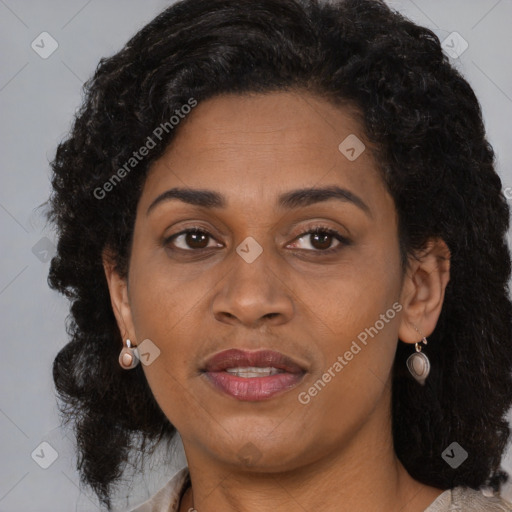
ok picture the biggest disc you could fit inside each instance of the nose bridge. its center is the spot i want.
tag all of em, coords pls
(253, 266)
(252, 289)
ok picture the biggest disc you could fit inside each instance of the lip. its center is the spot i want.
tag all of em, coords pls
(252, 388)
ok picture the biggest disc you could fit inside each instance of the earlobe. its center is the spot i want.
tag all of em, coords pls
(423, 290)
(118, 289)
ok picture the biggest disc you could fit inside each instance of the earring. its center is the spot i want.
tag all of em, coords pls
(129, 357)
(418, 363)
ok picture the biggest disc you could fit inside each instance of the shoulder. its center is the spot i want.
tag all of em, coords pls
(168, 498)
(466, 499)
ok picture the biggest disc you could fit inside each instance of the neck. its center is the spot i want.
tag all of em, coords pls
(364, 474)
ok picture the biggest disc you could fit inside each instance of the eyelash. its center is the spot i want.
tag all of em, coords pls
(317, 229)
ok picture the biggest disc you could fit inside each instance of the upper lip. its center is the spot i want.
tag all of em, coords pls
(236, 358)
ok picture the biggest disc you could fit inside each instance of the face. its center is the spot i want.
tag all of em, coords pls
(241, 268)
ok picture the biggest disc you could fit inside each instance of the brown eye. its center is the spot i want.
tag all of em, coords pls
(190, 239)
(321, 240)
(196, 239)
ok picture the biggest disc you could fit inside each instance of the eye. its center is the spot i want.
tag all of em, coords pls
(191, 239)
(321, 239)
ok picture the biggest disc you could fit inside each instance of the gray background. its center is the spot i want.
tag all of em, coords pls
(38, 98)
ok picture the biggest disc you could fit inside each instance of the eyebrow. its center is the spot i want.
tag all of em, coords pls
(291, 200)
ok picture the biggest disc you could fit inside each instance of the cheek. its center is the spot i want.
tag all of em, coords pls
(162, 308)
(354, 378)
(163, 297)
(352, 296)
(163, 311)
(359, 314)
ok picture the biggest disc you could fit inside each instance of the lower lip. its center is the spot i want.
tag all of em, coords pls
(253, 388)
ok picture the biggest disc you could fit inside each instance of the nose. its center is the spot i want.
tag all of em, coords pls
(254, 294)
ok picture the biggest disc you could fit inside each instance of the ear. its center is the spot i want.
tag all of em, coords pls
(119, 298)
(427, 276)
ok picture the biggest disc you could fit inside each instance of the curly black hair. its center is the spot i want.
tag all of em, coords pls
(426, 123)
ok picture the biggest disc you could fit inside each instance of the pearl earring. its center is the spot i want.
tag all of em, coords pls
(418, 363)
(129, 357)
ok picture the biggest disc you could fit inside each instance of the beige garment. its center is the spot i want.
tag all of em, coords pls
(460, 499)
(464, 499)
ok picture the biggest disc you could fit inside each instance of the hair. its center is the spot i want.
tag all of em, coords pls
(425, 122)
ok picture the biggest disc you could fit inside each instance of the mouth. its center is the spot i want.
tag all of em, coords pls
(252, 376)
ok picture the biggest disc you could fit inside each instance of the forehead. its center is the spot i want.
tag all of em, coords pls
(258, 145)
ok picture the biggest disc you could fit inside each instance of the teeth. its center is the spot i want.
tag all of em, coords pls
(253, 371)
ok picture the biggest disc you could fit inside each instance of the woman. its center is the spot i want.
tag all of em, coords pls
(283, 237)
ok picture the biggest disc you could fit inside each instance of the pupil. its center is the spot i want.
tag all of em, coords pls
(325, 237)
(194, 239)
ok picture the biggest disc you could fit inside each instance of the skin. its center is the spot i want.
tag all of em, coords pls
(334, 453)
